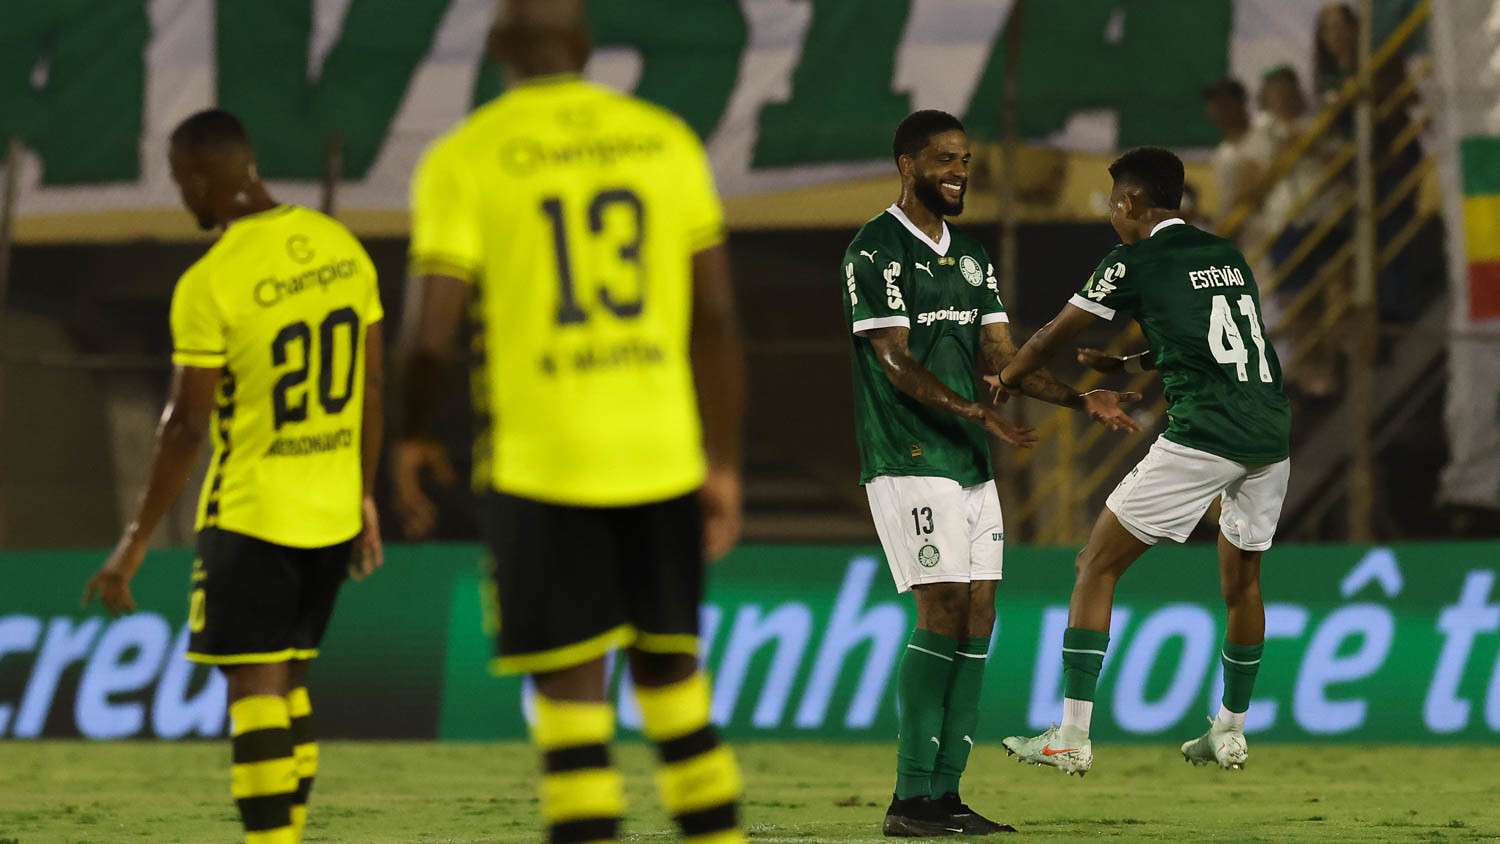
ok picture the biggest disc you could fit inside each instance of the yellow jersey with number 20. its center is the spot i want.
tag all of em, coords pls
(281, 304)
(576, 211)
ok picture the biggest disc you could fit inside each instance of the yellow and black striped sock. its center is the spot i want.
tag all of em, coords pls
(698, 779)
(263, 777)
(583, 798)
(305, 751)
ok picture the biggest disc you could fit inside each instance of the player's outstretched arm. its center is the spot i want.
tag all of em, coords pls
(719, 376)
(996, 349)
(179, 438)
(1101, 361)
(1101, 405)
(426, 372)
(915, 380)
(370, 555)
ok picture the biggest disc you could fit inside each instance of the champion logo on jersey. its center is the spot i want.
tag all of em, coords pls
(916, 450)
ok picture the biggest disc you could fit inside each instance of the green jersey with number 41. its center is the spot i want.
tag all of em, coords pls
(1197, 303)
(944, 291)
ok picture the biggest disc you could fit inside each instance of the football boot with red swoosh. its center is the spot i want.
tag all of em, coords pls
(1064, 748)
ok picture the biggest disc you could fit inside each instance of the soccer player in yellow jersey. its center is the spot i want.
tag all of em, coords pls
(584, 227)
(277, 354)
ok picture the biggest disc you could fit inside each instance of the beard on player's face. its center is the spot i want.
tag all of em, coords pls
(930, 194)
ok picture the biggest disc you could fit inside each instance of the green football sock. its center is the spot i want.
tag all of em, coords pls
(921, 686)
(1083, 656)
(1241, 662)
(961, 715)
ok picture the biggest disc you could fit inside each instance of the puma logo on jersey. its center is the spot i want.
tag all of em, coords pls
(893, 298)
(871, 254)
(927, 267)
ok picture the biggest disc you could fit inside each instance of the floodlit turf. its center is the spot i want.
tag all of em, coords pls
(369, 792)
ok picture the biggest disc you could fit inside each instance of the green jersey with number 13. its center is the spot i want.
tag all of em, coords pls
(1198, 305)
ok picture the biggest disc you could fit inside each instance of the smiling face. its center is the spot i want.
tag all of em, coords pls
(940, 172)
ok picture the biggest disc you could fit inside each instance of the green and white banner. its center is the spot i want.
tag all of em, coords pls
(788, 93)
(1397, 643)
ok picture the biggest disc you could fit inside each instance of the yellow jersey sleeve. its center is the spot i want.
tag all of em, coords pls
(199, 337)
(445, 237)
(703, 214)
(373, 312)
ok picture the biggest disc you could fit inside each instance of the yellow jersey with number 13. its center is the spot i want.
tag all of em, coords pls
(281, 304)
(575, 211)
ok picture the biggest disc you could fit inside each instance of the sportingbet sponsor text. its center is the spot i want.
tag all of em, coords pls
(1362, 644)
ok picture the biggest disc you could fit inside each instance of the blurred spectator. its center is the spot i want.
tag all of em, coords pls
(1335, 60)
(1295, 206)
(1192, 209)
(1241, 158)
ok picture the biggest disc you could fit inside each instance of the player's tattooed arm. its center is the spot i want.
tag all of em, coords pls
(427, 373)
(179, 439)
(915, 380)
(1041, 346)
(1103, 406)
(996, 350)
(1107, 363)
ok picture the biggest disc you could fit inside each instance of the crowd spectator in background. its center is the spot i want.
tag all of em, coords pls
(1241, 158)
(1335, 60)
(1294, 207)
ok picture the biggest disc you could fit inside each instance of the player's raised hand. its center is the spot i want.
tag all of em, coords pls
(1099, 360)
(1106, 408)
(722, 500)
(410, 460)
(993, 421)
(369, 552)
(111, 584)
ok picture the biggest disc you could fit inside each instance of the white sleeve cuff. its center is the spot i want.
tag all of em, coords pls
(1092, 307)
(863, 325)
(998, 316)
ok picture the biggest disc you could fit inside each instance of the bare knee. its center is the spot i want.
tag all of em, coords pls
(297, 673)
(943, 608)
(650, 670)
(253, 679)
(579, 683)
(1090, 565)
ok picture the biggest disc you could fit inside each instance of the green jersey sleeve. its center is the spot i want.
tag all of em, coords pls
(873, 284)
(1110, 289)
(991, 309)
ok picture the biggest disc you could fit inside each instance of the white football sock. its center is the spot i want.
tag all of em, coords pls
(1230, 719)
(1077, 714)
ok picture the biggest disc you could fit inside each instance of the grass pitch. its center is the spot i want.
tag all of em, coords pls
(797, 792)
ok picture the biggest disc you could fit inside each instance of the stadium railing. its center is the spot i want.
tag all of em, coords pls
(1053, 508)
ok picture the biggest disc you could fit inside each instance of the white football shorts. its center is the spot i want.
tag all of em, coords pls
(1166, 494)
(935, 531)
